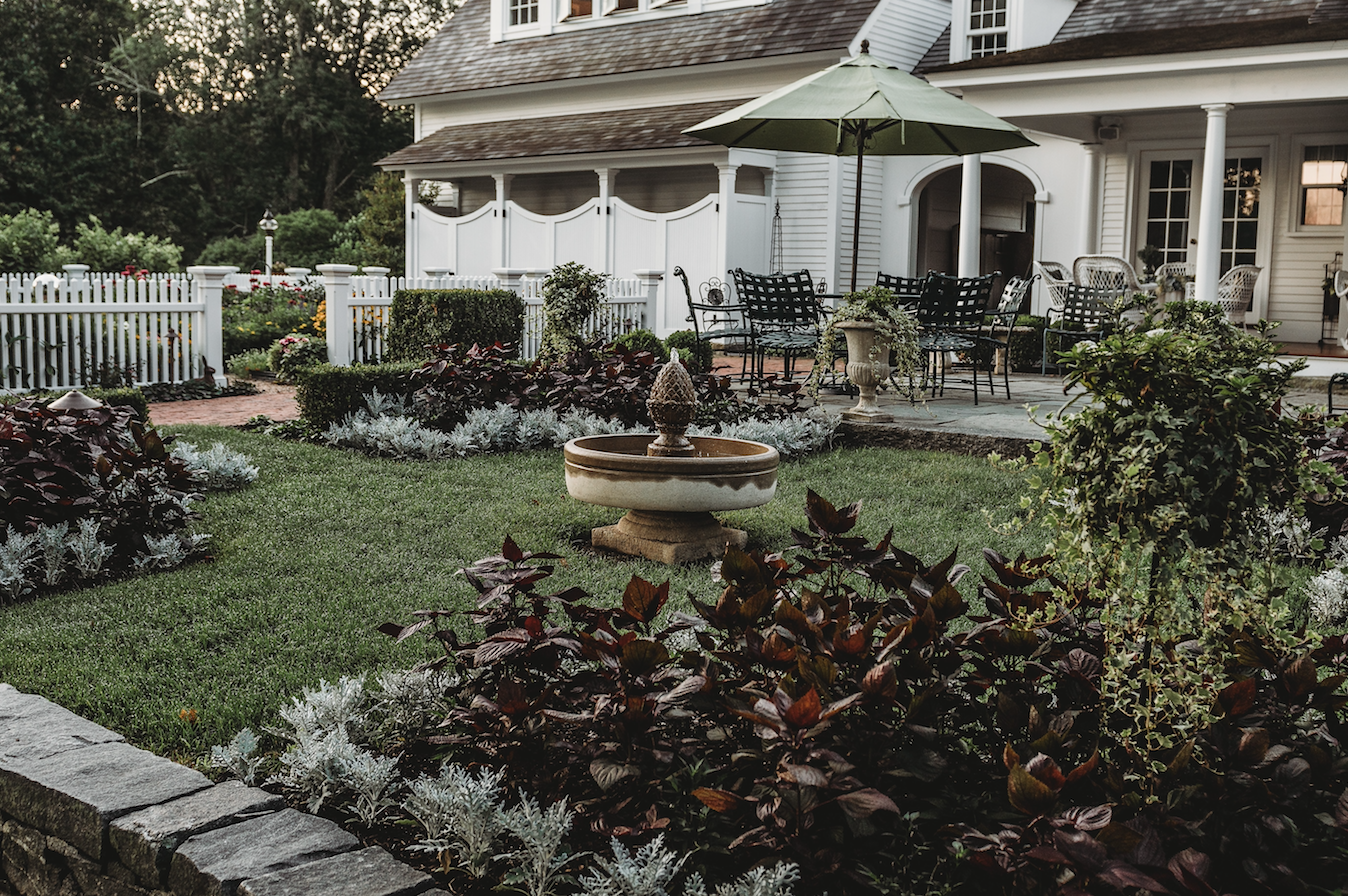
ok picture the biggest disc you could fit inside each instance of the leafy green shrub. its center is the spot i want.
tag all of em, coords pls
(326, 394)
(289, 354)
(304, 239)
(28, 241)
(115, 250)
(695, 354)
(466, 317)
(642, 341)
(571, 293)
(249, 363)
(87, 494)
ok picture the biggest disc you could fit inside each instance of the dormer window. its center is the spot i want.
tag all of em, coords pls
(987, 28)
(523, 12)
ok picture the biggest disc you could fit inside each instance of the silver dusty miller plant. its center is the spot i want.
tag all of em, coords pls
(218, 468)
(239, 757)
(459, 811)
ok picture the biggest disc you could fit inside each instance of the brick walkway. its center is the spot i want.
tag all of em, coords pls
(275, 401)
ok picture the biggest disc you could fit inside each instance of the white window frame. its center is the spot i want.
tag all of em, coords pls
(512, 6)
(1003, 30)
(1296, 186)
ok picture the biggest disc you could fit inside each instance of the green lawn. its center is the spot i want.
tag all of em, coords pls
(327, 545)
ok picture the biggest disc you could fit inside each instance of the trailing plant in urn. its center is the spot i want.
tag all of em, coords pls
(894, 328)
(571, 293)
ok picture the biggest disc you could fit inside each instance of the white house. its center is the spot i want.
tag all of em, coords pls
(553, 128)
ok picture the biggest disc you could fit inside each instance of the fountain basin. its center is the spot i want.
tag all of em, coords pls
(670, 499)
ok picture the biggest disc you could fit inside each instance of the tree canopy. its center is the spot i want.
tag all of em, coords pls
(186, 118)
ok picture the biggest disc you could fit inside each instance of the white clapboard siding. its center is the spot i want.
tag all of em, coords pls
(805, 191)
(1114, 225)
(901, 31)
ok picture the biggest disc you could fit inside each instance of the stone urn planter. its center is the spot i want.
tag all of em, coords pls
(867, 368)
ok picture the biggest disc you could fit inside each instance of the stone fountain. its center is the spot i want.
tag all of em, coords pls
(671, 485)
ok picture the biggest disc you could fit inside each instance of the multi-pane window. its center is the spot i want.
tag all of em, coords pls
(523, 12)
(581, 8)
(1240, 211)
(1169, 190)
(1323, 172)
(987, 27)
(616, 5)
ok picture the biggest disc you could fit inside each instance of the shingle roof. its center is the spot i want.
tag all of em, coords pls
(937, 54)
(1126, 16)
(622, 131)
(1171, 28)
(462, 57)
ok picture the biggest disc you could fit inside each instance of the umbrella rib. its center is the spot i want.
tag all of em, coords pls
(953, 151)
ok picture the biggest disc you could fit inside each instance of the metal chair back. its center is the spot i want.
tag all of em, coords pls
(907, 290)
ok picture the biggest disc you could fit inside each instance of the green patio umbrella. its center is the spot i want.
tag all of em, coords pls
(861, 107)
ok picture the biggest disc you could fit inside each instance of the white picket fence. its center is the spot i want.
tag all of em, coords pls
(76, 329)
(357, 308)
(62, 332)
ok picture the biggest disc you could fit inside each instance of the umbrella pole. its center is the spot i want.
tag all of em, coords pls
(856, 214)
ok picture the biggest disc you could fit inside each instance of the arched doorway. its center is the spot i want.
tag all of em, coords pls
(1007, 225)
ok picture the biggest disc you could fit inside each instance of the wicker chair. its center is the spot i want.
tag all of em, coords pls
(1235, 291)
(1172, 274)
(1105, 272)
(1057, 277)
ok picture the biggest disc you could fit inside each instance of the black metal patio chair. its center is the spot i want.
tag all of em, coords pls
(783, 314)
(949, 317)
(718, 318)
(1086, 315)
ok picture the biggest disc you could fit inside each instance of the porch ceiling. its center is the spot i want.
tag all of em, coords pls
(626, 130)
(1188, 122)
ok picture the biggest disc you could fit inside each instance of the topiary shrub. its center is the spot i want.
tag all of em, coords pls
(326, 394)
(642, 341)
(695, 354)
(290, 354)
(571, 293)
(422, 317)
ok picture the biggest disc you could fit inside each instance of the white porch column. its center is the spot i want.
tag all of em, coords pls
(1090, 198)
(337, 295)
(1208, 254)
(208, 282)
(971, 216)
(725, 202)
(501, 235)
(608, 177)
(412, 262)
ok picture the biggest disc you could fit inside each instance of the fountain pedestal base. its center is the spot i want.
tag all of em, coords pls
(668, 537)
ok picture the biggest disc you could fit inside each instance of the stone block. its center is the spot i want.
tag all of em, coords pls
(368, 872)
(144, 841)
(73, 795)
(32, 727)
(214, 863)
(23, 860)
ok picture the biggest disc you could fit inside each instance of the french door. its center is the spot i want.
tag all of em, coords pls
(1169, 206)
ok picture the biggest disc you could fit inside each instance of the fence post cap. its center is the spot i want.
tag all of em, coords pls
(375, 269)
(337, 268)
(212, 270)
(649, 274)
(437, 272)
(297, 272)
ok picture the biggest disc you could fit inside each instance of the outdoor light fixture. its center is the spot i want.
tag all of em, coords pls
(268, 226)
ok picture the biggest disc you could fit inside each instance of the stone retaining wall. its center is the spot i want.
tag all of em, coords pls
(83, 813)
